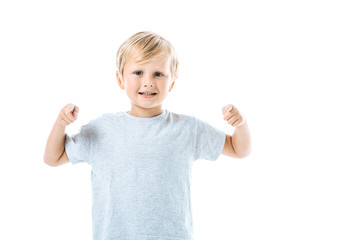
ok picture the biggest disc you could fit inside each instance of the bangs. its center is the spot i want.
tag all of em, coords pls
(149, 50)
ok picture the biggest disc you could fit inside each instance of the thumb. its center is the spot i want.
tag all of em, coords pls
(70, 107)
(227, 108)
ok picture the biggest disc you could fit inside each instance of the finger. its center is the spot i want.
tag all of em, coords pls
(76, 110)
(240, 121)
(229, 115)
(65, 121)
(72, 116)
(237, 121)
(232, 120)
(69, 117)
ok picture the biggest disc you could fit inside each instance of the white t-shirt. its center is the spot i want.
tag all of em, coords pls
(141, 172)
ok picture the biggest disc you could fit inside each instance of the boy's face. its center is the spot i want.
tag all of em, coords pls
(153, 76)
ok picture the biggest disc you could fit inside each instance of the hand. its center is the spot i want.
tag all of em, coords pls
(68, 115)
(233, 116)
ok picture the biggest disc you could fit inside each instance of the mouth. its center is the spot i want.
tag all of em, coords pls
(147, 93)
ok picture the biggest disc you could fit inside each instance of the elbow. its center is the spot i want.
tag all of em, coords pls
(49, 162)
(244, 154)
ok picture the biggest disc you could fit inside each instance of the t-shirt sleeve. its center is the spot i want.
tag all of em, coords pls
(209, 141)
(78, 147)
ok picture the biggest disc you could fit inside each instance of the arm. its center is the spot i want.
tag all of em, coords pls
(55, 146)
(239, 144)
(55, 154)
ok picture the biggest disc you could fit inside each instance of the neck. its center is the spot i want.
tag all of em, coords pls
(137, 111)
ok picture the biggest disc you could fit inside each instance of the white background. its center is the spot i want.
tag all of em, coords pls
(291, 67)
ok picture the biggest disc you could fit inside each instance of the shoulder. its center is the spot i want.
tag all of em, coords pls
(102, 120)
(116, 116)
(189, 119)
(180, 117)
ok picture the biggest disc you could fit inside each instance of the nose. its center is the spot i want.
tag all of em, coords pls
(148, 83)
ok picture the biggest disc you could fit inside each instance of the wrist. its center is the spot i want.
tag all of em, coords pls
(242, 121)
(59, 125)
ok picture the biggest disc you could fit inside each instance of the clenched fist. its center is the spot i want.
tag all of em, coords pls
(68, 115)
(233, 116)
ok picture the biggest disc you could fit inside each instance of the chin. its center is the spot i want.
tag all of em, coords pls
(146, 106)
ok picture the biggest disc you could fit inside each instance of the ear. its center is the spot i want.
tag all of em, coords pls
(172, 84)
(120, 82)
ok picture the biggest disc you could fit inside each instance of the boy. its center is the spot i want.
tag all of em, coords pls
(142, 159)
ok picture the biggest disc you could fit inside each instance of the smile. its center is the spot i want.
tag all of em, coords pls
(141, 93)
(151, 95)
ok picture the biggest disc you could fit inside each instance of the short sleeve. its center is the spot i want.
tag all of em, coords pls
(78, 147)
(209, 141)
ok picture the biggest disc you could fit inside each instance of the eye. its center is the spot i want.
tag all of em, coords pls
(158, 74)
(138, 73)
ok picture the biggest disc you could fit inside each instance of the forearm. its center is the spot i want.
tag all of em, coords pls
(55, 145)
(241, 140)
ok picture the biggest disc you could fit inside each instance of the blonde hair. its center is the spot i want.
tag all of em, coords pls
(146, 46)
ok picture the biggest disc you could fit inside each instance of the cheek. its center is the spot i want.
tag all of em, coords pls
(165, 84)
(131, 83)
